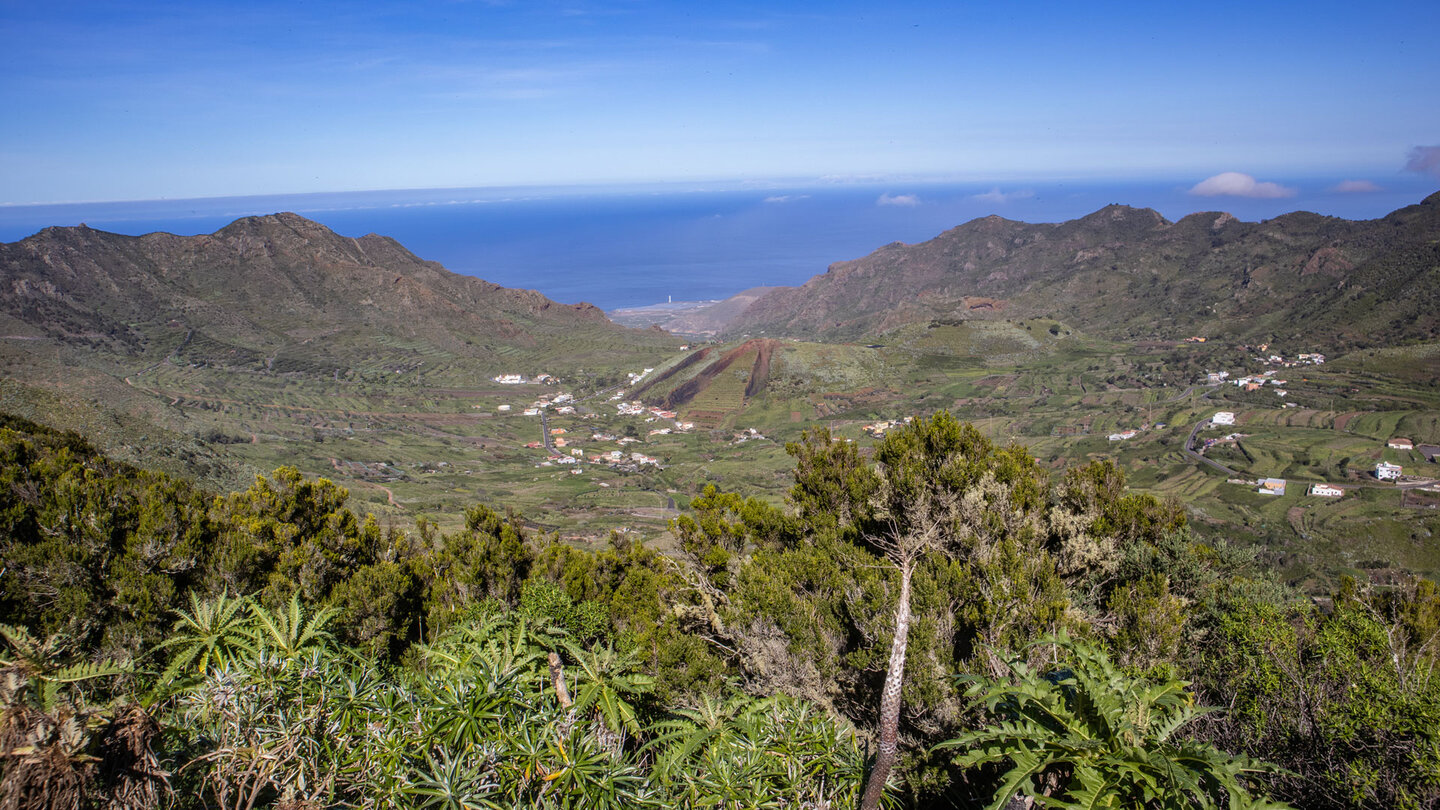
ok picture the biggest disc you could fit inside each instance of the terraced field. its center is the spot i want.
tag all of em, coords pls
(717, 404)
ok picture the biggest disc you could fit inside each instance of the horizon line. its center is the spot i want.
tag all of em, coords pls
(853, 180)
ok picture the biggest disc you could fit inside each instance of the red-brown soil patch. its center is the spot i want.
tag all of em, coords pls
(762, 348)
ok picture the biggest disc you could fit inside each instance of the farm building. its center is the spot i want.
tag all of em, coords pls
(1271, 486)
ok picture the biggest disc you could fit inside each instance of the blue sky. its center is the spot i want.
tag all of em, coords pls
(121, 101)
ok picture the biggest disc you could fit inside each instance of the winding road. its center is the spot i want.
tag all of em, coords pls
(545, 431)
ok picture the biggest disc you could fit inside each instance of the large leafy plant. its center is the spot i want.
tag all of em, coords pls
(1089, 735)
(748, 752)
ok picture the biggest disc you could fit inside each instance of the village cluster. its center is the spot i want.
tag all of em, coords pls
(561, 443)
(651, 414)
(1249, 382)
(1302, 359)
(1252, 382)
(1384, 470)
(616, 459)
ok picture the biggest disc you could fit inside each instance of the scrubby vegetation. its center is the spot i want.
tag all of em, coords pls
(1003, 633)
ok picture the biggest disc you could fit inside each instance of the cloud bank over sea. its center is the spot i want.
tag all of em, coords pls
(1236, 184)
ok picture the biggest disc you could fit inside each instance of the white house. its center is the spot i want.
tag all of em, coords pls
(1326, 491)
(1223, 418)
(1398, 443)
(1386, 471)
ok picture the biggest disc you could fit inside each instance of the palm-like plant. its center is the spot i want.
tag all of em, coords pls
(607, 684)
(498, 642)
(1109, 737)
(692, 731)
(212, 633)
(287, 716)
(288, 632)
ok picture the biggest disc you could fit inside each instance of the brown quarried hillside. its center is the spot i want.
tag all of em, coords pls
(279, 288)
(1130, 273)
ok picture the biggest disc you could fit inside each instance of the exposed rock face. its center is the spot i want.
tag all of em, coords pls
(1129, 272)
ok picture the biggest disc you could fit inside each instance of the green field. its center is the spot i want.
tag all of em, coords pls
(416, 434)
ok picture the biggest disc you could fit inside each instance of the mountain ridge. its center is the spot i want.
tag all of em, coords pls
(1209, 270)
(261, 285)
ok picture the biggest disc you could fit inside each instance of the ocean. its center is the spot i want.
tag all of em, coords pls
(636, 246)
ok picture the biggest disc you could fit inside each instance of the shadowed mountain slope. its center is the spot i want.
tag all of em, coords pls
(276, 287)
(1130, 273)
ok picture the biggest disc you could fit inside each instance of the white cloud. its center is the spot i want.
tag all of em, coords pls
(909, 200)
(785, 198)
(1425, 160)
(1355, 187)
(1235, 184)
(995, 195)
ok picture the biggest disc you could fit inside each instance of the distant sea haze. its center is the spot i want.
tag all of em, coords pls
(638, 246)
